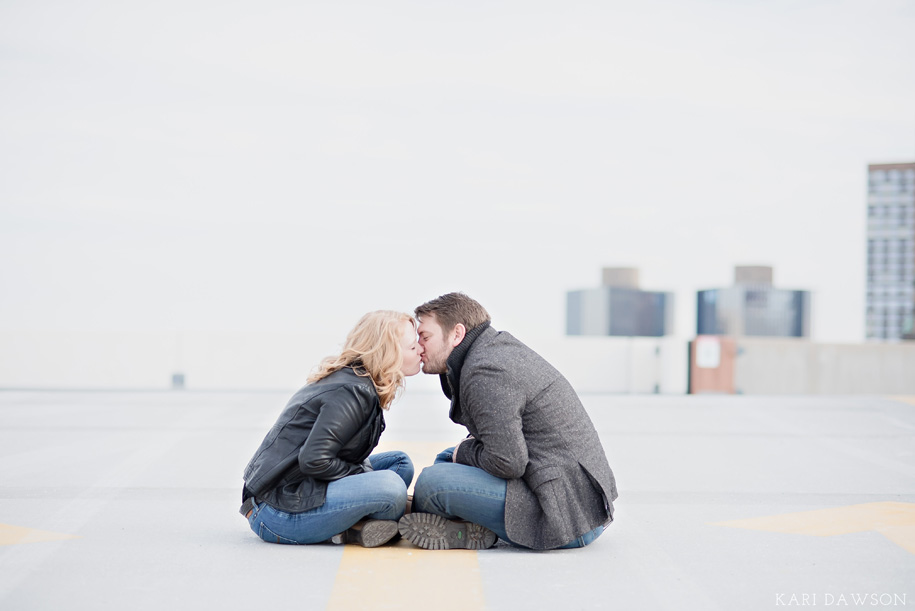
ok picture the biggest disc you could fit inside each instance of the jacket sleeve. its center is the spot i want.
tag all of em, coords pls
(343, 414)
(494, 405)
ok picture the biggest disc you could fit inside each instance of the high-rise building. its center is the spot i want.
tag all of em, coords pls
(619, 308)
(890, 251)
(753, 307)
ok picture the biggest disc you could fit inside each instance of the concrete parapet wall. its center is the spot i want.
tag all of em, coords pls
(637, 365)
(223, 359)
(789, 366)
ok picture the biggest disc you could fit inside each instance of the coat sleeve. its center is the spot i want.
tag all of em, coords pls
(343, 414)
(494, 404)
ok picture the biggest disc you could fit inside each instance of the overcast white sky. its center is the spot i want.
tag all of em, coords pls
(289, 165)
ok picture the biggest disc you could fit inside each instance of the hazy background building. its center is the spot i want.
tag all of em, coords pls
(619, 308)
(890, 251)
(753, 307)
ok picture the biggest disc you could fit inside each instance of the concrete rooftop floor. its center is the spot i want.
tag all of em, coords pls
(128, 500)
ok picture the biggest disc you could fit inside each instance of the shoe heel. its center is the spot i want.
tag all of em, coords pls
(372, 533)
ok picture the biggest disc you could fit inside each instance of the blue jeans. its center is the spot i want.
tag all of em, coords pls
(380, 494)
(468, 493)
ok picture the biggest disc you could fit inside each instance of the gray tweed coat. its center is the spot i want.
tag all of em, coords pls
(529, 428)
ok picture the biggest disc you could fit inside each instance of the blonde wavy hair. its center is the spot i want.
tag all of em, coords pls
(372, 345)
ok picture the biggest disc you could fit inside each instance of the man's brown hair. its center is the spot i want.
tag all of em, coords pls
(454, 308)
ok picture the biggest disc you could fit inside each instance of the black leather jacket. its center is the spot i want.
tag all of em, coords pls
(326, 432)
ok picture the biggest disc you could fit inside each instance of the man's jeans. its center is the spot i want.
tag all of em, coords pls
(463, 492)
(380, 494)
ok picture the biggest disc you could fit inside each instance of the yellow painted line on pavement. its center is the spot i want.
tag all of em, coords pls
(13, 535)
(403, 576)
(895, 521)
(904, 398)
(374, 578)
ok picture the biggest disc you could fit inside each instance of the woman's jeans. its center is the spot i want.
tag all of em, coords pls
(380, 495)
(468, 493)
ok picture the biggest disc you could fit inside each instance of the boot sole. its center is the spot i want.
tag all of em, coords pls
(429, 531)
(373, 533)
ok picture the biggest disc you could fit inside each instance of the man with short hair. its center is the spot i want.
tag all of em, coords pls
(532, 471)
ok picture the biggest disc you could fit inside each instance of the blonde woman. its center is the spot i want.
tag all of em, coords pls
(314, 479)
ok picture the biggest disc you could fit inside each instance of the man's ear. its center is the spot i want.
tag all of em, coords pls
(459, 332)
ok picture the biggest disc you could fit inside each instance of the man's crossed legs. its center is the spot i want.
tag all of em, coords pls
(452, 501)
